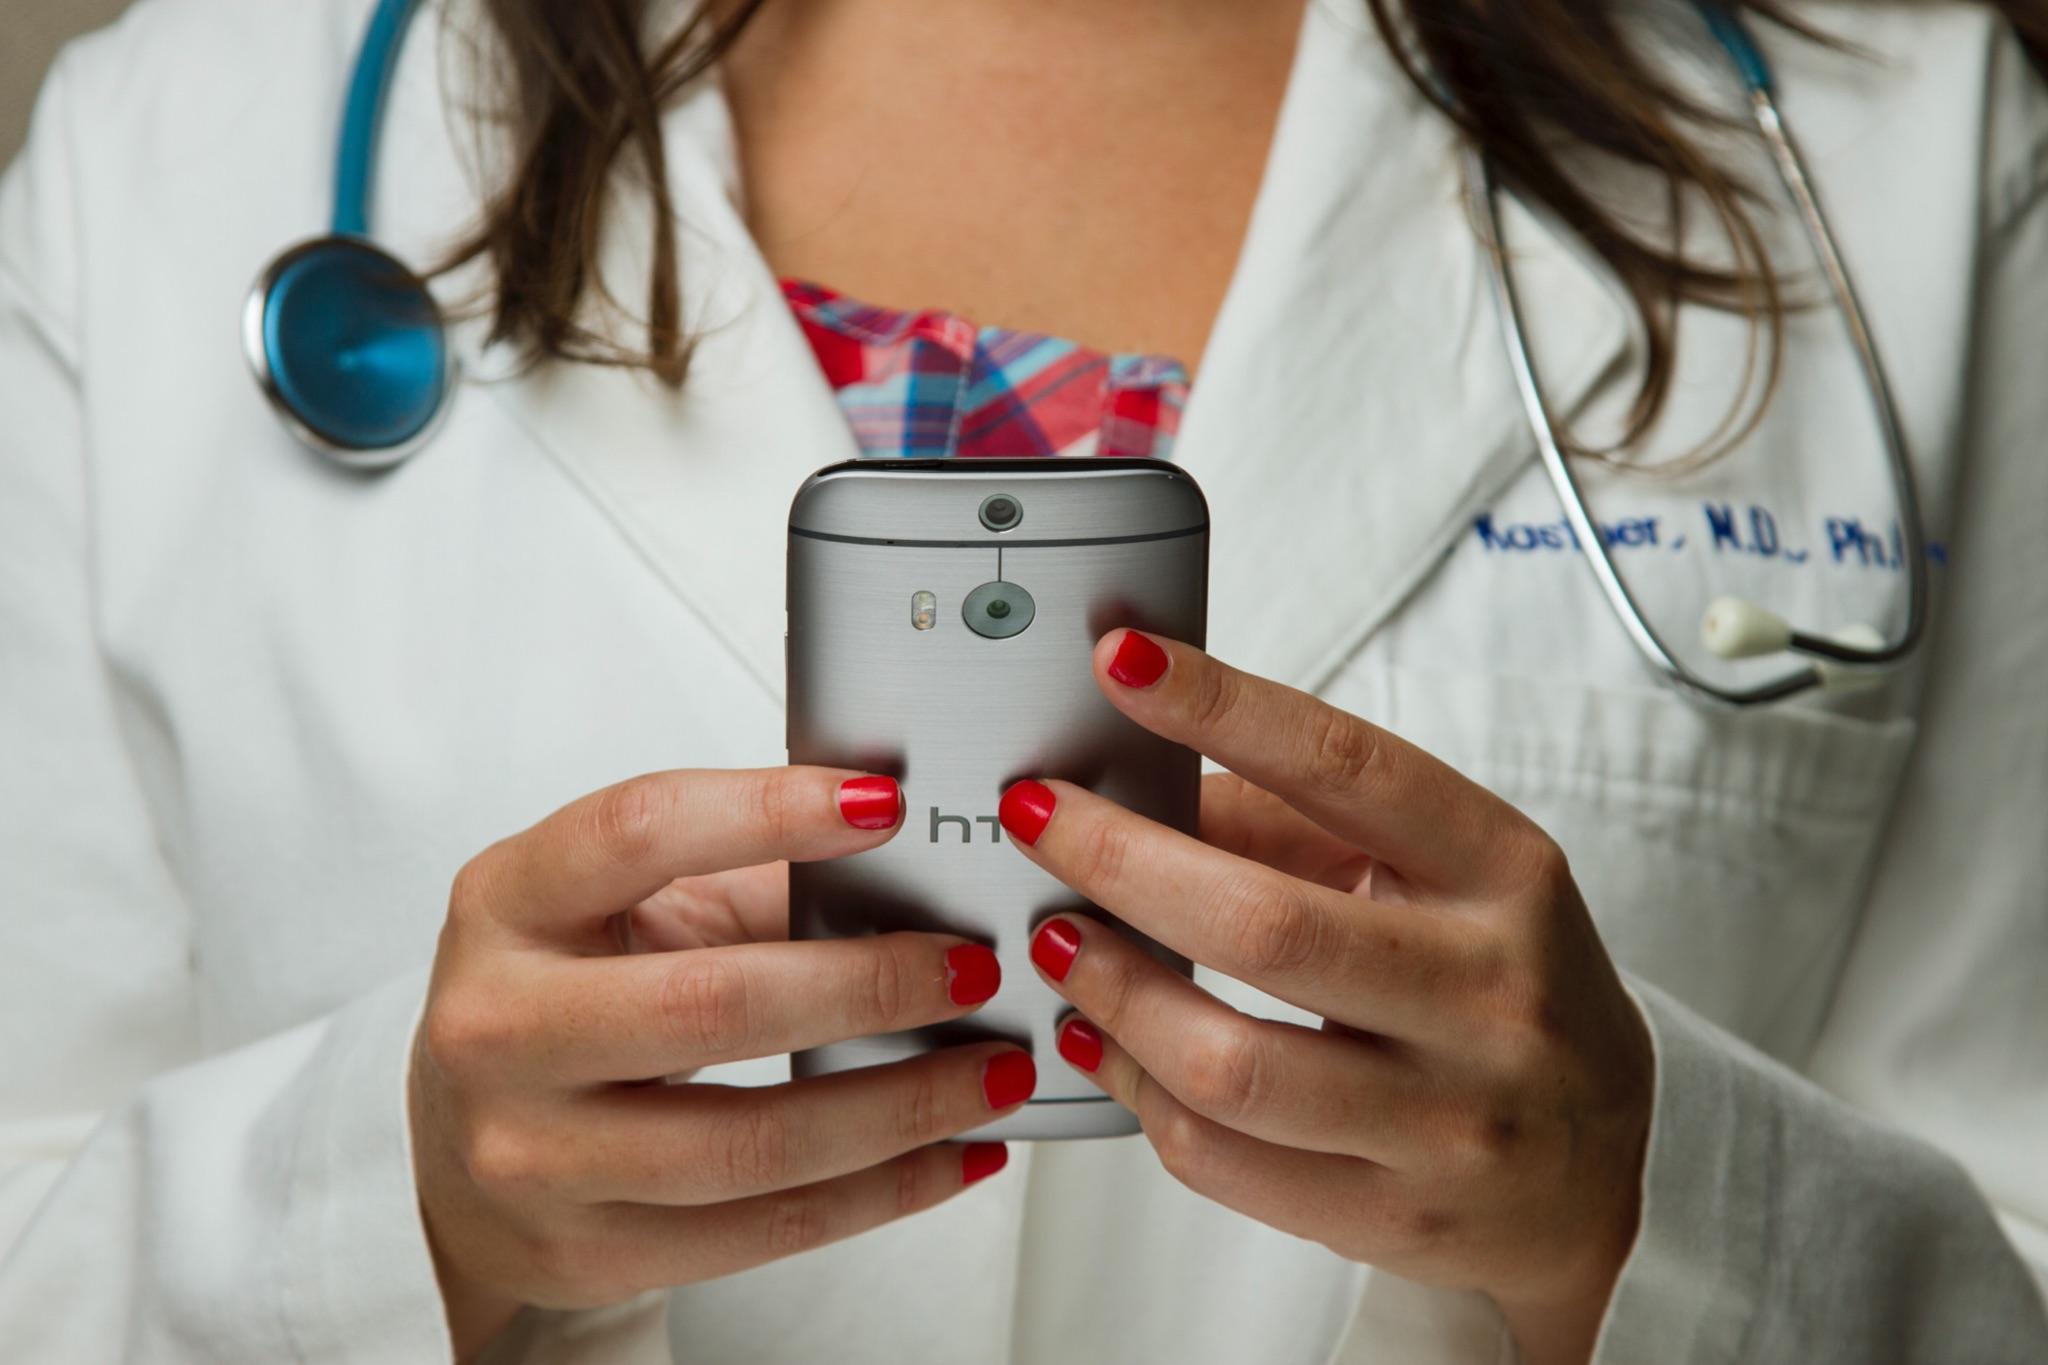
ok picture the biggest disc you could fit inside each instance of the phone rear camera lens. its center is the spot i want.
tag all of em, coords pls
(999, 610)
(1001, 512)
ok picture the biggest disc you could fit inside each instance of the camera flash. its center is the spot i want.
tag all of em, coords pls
(924, 609)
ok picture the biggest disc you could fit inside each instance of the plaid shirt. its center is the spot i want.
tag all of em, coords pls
(931, 384)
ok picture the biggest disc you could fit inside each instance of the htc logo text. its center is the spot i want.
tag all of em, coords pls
(966, 826)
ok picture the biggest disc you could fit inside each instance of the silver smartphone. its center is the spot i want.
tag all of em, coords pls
(941, 618)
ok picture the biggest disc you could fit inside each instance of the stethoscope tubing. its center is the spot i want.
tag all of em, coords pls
(362, 120)
(1849, 308)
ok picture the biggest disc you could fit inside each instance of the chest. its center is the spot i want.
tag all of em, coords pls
(354, 694)
(340, 690)
(1079, 170)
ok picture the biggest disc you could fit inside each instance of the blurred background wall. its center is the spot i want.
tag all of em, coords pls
(30, 33)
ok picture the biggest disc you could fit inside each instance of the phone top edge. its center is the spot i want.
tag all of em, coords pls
(1064, 500)
(1001, 464)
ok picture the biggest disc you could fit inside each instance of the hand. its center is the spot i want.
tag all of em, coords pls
(547, 1176)
(1474, 1109)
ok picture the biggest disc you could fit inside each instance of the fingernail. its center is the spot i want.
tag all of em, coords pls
(1024, 809)
(1009, 1078)
(1081, 1044)
(1138, 662)
(870, 802)
(1053, 948)
(979, 1160)
(972, 974)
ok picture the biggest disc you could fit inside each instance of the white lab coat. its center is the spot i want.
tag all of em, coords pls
(255, 712)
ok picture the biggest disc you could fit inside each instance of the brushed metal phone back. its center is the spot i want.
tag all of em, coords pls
(886, 675)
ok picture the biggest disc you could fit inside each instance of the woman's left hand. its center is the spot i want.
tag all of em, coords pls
(1474, 1110)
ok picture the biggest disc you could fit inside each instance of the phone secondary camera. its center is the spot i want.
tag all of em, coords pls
(1001, 512)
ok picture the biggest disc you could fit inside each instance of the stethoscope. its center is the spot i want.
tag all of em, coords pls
(347, 342)
(352, 350)
(1732, 627)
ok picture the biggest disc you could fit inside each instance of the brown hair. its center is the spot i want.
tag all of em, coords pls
(1537, 84)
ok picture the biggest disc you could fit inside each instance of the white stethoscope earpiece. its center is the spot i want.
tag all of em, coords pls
(1836, 676)
(1736, 628)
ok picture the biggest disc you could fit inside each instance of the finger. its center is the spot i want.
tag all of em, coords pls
(1365, 964)
(1310, 1194)
(599, 1019)
(614, 848)
(1277, 1081)
(707, 1144)
(1251, 822)
(671, 1246)
(1362, 783)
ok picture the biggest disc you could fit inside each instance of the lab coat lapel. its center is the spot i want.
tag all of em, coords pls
(1354, 406)
(699, 483)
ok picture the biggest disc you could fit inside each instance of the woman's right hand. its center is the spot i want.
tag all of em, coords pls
(640, 933)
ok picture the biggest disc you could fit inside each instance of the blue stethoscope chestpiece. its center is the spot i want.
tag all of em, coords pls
(350, 347)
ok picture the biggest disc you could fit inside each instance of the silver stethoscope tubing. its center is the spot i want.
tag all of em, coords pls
(1731, 627)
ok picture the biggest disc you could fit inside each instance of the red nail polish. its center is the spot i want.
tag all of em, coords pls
(972, 974)
(870, 802)
(1053, 948)
(1137, 662)
(1081, 1044)
(979, 1160)
(1024, 810)
(1009, 1078)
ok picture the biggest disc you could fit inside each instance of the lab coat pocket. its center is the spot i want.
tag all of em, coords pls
(1725, 855)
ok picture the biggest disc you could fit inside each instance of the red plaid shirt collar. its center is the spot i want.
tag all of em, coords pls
(931, 384)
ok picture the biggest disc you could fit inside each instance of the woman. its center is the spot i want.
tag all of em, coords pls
(1647, 1033)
